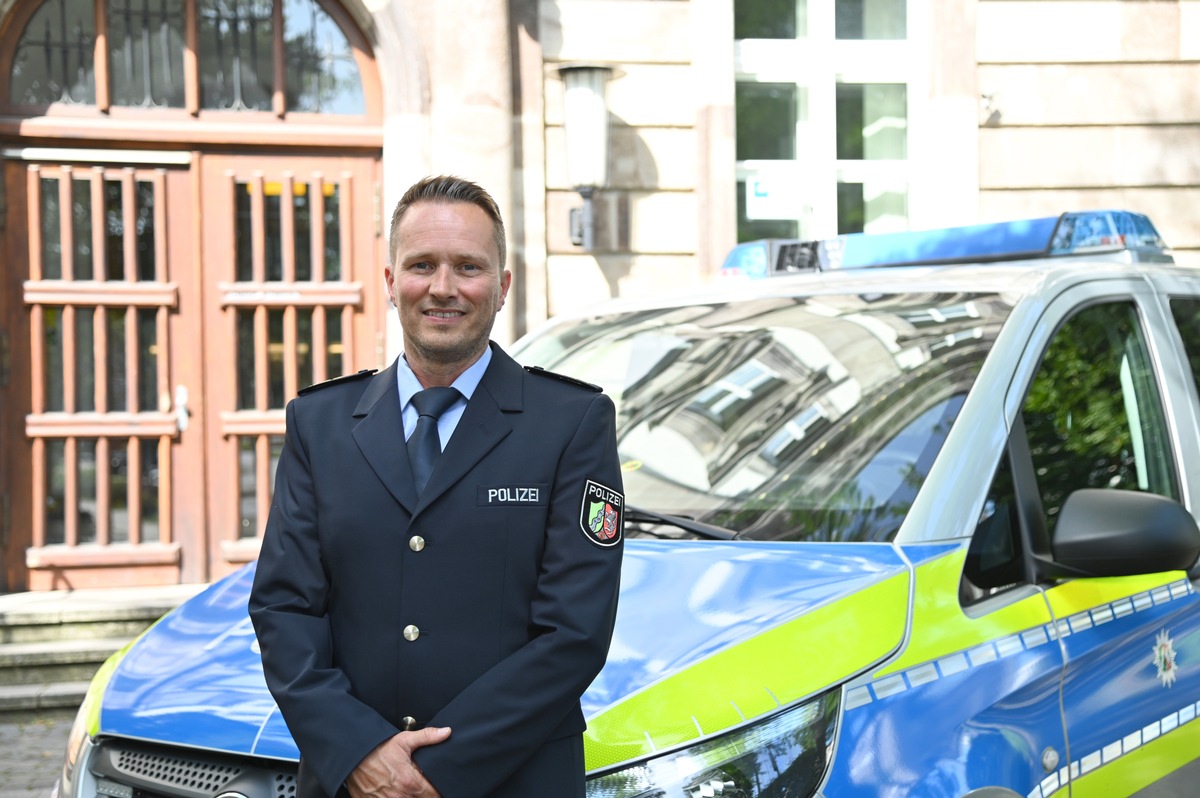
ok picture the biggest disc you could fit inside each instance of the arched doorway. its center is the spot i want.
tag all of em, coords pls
(191, 226)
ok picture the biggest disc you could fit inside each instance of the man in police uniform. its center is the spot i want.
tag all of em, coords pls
(436, 641)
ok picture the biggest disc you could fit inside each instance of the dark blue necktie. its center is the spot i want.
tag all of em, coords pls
(424, 445)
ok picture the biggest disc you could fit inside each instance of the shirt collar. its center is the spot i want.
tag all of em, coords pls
(466, 383)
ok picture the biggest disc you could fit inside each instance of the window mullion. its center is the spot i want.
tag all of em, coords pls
(278, 100)
(191, 66)
(103, 95)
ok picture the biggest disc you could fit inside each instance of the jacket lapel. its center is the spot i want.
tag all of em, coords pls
(483, 425)
(380, 436)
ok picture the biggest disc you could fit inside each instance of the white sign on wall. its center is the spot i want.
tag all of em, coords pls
(774, 196)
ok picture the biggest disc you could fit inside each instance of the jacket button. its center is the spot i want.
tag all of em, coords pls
(408, 723)
(411, 633)
(416, 543)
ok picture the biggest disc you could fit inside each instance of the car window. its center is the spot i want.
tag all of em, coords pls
(782, 418)
(1094, 418)
(1094, 415)
(1186, 311)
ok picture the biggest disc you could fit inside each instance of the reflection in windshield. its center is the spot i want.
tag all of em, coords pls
(789, 418)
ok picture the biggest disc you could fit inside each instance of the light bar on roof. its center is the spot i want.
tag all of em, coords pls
(1109, 234)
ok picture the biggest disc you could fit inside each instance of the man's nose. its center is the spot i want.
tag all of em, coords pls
(442, 283)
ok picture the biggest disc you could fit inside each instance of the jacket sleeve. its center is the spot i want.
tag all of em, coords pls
(332, 728)
(505, 715)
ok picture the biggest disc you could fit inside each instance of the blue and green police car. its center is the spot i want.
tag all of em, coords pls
(912, 515)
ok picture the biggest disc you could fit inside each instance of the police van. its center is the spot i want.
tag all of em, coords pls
(910, 515)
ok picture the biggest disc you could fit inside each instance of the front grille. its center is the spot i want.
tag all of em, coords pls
(152, 771)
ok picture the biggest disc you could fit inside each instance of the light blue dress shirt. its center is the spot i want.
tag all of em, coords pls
(466, 384)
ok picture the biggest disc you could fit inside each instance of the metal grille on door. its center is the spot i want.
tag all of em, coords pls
(103, 413)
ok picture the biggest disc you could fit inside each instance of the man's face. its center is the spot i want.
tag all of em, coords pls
(446, 282)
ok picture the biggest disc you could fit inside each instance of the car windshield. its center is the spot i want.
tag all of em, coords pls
(781, 418)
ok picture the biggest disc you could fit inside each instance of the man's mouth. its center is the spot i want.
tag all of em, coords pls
(444, 314)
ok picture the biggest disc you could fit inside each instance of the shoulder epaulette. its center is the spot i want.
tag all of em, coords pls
(541, 372)
(336, 380)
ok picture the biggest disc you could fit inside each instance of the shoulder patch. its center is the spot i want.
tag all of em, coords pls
(541, 372)
(336, 380)
(602, 514)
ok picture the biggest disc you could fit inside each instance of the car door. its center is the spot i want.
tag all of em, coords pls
(1096, 416)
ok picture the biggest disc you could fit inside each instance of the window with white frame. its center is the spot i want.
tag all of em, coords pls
(822, 106)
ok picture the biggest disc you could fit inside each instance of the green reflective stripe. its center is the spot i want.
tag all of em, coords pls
(775, 668)
(1079, 595)
(1113, 774)
(940, 627)
(90, 709)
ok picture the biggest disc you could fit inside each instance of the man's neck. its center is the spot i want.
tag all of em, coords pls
(439, 375)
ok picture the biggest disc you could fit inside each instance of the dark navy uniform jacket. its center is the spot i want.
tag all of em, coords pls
(486, 604)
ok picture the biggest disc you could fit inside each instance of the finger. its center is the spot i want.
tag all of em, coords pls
(428, 736)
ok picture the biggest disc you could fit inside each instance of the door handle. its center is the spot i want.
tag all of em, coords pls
(181, 408)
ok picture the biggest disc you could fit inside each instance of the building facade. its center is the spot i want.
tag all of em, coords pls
(195, 198)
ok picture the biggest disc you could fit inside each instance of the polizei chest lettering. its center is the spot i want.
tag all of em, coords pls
(512, 495)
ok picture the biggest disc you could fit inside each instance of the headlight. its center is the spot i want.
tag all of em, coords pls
(75, 779)
(79, 749)
(784, 755)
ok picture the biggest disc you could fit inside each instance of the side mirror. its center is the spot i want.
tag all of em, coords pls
(1121, 533)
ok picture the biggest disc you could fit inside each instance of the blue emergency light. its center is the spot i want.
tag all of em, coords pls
(1105, 235)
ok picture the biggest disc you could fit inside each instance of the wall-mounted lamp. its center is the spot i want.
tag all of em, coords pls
(585, 119)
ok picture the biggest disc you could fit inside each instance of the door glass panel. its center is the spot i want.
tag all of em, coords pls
(86, 480)
(54, 58)
(273, 222)
(237, 70)
(52, 321)
(85, 359)
(114, 230)
(246, 386)
(50, 229)
(333, 232)
(322, 76)
(275, 394)
(243, 232)
(56, 491)
(150, 532)
(81, 227)
(146, 252)
(247, 486)
(304, 347)
(302, 231)
(118, 486)
(117, 396)
(147, 323)
(145, 57)
(333, 342)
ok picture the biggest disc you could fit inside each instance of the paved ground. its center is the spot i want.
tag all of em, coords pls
(31, 755)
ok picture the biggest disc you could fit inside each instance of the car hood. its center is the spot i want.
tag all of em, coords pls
(709, 634)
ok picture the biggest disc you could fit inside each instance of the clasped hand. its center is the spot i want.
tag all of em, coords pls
(389, 770)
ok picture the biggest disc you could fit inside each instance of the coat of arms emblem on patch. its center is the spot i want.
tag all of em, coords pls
(601, 513)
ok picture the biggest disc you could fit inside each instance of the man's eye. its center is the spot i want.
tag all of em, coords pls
(421, 267)
(469, 267)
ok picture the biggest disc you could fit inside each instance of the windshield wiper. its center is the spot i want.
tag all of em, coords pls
(637, 515)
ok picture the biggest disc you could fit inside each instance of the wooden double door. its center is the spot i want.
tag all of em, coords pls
(159, 310)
